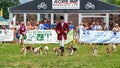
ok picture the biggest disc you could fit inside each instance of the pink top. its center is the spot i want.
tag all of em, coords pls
(22, 30)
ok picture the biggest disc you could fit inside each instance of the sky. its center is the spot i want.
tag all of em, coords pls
(24, 1)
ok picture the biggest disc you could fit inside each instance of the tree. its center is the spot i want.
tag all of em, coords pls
(4, 4)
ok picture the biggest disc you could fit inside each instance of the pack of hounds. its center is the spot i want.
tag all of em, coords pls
(70, 50)
(39, 50)
(110, 48)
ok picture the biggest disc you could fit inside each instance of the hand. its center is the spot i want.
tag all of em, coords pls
(24, 33)
(58, 32)
(66, 32)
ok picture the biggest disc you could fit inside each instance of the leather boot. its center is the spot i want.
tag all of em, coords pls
(62, 50)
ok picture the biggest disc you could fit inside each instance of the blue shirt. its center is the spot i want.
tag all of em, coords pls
(96, 27)
(41, 27)
(46, 26)
(71, 27)
(53, 25)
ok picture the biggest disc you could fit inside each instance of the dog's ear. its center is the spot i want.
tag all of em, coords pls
(31, 46)
(33, 49)
(74, 49)
(41, 48)
(54, 49)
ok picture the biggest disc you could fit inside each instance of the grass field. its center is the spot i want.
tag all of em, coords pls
(10, 57)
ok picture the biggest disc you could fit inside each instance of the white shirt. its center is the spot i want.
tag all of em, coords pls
(17, 27)
(62, 24)
(12, 26)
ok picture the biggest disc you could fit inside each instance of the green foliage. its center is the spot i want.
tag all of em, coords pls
(116, 2)
(10, 57)
(4, 4)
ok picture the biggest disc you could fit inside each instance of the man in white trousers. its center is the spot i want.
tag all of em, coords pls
(62, 29)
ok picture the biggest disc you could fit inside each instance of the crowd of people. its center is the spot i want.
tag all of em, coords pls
(97, 24)
(20, 28)
(40, 25)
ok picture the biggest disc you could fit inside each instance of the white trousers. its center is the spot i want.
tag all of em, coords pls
(20, 38)
(62, 42)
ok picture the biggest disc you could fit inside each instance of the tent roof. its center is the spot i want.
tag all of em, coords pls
(95, 6)
(2, 19)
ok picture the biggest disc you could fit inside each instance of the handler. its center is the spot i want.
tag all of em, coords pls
(62, 29)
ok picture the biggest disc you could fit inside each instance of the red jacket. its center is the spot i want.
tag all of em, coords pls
(62, 30)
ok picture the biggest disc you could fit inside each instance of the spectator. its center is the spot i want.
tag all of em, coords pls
(17, 29)
(36, 26)
(41, 26)
(104, 26)
(17, 25)
(97, 26)
(22, 32)
(45, 24)
(12, 25)
(91, 25)
(80, 27)
(111, 25)
(119, 20)
(71, 26)
(77, 30)
(116, 28)
(29, 26)
(5, 32)
(85, 26)
(53, 25)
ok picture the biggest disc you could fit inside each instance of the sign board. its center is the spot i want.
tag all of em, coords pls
(99, 36)
(45, 36)
(65, 4)
(41, 36)
(6, 35)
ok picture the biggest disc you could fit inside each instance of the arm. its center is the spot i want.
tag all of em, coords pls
(67, 28)
(57, 29)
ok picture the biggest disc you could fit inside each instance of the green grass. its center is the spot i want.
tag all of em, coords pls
(10, 57)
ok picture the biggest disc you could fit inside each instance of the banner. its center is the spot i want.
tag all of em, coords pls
(65, 4)
(99, 36)
(41, 36)
(45, 36)
(69, 36)
(6, 35)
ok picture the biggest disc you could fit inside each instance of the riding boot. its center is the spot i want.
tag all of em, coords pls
(62, 50)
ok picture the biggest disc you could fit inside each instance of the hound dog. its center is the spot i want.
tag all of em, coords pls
(113, 47)
(71, 49)
(94, 50)
(57, 50)
(108, 50)
(38, 50)
(27, 48)
(46, 49)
